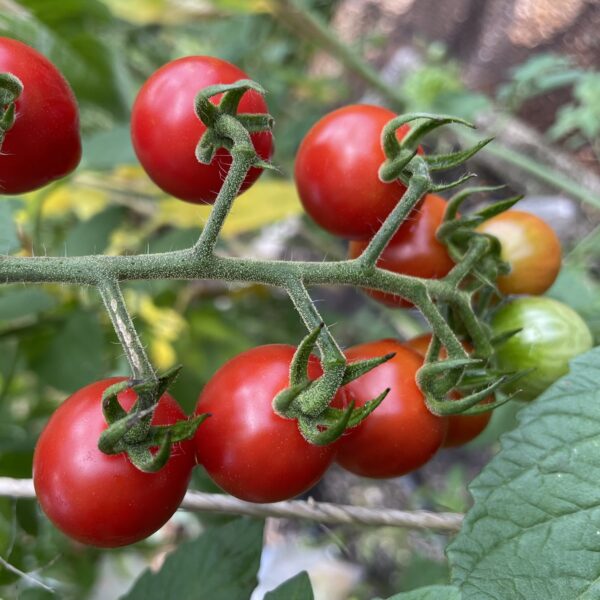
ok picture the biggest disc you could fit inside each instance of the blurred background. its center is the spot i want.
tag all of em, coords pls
(526, 71)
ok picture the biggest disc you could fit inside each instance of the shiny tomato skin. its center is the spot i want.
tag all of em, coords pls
(165, 129)
(98, 499)
(401, 435)
(44, 142)
(532, 249)
(413, 250)
(336, 171)
(461, 428)
(246, 448)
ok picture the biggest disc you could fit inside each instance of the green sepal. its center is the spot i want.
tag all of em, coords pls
(114, 439)
(440, 187)
(503, 337)
(309, 428)
(256, 122)
(299, 364)
(282, 403)
(446, 407)
(332, 415)
(317, 397)
(111, 409)
(148, 462)
(456, 201)
(498, 207)
(440, 162)
(11, 87)
(357, 369)
(176, 432)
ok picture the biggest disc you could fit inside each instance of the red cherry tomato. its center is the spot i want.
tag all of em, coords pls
(414, 249)
(461, 428)
(165, 129)
(401, 435)
(43, 144)
(246, 448)
(337, 167)
(532, 249)
(100, 499)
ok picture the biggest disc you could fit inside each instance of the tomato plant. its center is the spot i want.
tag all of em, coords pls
(530, 247)
(43, 143)
(336, 171)
(551, 334)
(414, 249)
(100, 499)
(401, 435)
(461, 428)
(246, 448)
(165, 129)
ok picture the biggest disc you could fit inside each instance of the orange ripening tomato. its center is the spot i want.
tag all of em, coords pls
(414, 249)
(532, 249)
(461, 428)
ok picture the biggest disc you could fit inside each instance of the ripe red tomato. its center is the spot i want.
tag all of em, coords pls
(100, 499)
(532, 249)
(337, 167)
(43, 144)
(246, 448)
(414, 249)
(401, 435)
(165, 129)
(461, 428)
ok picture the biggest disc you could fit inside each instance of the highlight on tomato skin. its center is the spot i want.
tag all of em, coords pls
(248, 450)
(336, 171)
(532, 249)
(165, 129)
(401, 435)
(462, 429)
(413, 250)
(44, 142)
(99, 499)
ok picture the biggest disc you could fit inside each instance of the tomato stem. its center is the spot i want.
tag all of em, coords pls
(141, 367)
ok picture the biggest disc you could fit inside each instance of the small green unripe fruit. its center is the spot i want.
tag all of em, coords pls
(551, 335)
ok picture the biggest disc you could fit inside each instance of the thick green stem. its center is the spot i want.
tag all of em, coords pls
(244, 157)
(140, 365)
(417, 186)
(330, 351)
(478, 246)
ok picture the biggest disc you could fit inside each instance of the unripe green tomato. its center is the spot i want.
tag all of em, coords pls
(551, 335)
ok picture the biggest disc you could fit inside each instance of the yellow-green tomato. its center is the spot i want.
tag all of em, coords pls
(551, 335)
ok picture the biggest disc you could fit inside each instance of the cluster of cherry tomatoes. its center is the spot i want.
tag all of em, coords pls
(245, 447)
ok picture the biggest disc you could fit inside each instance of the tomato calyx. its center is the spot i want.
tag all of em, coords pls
(10, 90)
(132, 432)
(399, 154)
(308, 401)
(225, 127)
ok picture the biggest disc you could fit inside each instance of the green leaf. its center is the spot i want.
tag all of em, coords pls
(534, 529)
(106, 149)
(92, 236)
(22, 302)
(9, 240)
(221, 564)
(295, 588)
(431, 592)
(75, 355)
